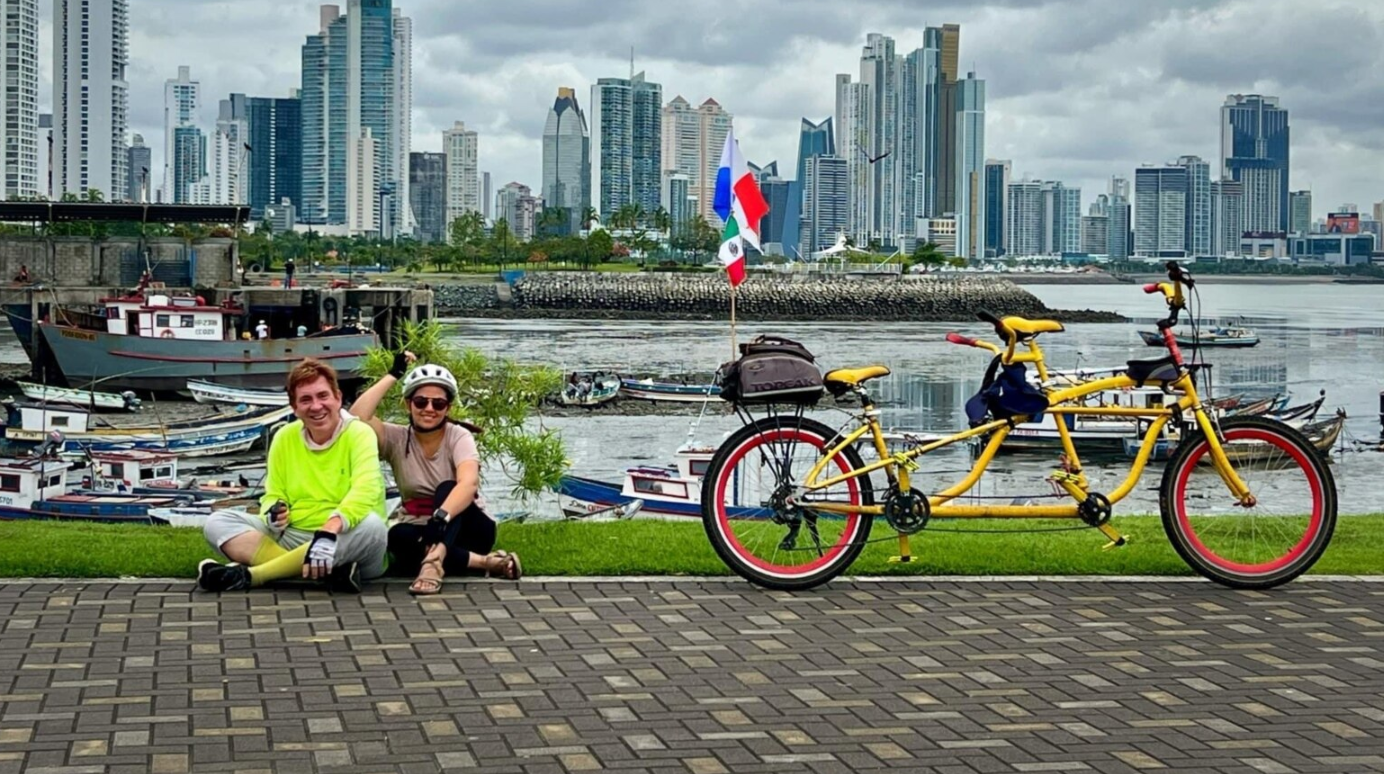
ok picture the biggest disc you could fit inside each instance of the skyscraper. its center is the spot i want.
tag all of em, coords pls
(949, 64)
(518, 207)
(189, 166)
(1118, 236)
(567, 158)
(90, 97)
(970, 168)
(996, 205)
(1095, 234)
(692, 142)
(826, 200)
(1060, 220)
(919, 102)
(1197, 238)
(814, 140)
(428, 195)
(1300, 212)
(1254, 151)
(274, 160)
(351, 85)
(854, 128)
(1160, 211)
(879, 70)
(403, 120)
(229, 172)
(1023, 225)
(140, 160)
(1227, 217)
(181, 99)
(461, 146)
(626, 152)
(19, 97)
(487, 198)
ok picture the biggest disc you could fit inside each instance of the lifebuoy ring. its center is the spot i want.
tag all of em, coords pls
(167, 334)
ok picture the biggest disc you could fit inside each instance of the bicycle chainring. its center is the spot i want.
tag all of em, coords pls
(1095, 509)
(907, 512)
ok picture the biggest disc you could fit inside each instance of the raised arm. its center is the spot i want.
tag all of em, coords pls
(369, 401)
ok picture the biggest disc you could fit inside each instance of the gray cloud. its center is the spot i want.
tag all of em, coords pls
(1079, 90)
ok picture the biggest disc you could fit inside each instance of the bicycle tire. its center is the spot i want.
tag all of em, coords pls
(717, 518)
(1295, 454)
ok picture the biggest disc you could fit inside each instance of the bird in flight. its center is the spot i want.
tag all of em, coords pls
(873, 159)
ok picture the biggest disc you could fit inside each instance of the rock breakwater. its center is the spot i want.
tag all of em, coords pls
(682, 296)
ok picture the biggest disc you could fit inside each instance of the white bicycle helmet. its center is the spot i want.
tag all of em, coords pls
(427, 374)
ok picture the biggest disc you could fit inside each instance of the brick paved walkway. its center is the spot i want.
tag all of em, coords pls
(693, 677)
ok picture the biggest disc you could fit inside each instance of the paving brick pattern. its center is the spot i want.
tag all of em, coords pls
(693, 678)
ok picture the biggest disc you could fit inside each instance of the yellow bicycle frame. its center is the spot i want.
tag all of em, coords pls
(1062, 402)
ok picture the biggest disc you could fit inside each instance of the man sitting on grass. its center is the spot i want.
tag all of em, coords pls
(324, 470)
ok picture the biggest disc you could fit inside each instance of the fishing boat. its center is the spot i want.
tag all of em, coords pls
(150, 473)
(590, 389)
(1323, 435)
(617, 512)
(1219, 336)
(36, 488)
(45, 393)
(157, 342)
(210, 392)
(673, 490)
(648, 389)
(215, 436)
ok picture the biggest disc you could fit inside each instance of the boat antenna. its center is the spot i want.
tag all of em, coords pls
(692, 430)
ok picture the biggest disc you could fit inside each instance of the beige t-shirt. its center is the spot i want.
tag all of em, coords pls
(418, 475)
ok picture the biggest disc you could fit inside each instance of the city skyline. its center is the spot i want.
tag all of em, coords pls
(1141, 85)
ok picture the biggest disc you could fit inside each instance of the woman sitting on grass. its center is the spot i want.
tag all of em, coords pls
(442, 527)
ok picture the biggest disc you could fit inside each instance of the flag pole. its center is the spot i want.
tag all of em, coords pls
(734, 349)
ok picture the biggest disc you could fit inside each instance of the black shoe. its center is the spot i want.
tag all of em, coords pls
(214, 576)
(346, 579)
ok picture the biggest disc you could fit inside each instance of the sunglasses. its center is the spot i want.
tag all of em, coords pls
(439, 404)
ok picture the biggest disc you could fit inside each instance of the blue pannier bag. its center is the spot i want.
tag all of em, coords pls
(1005, 393)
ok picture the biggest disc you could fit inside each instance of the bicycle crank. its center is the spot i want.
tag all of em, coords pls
(907, 512)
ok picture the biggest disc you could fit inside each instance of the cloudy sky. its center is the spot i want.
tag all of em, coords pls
(1078, 90)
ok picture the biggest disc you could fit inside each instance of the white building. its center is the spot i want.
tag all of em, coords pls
(361, 212)
(518, 207)
(19, 98)
(90, 97)
(854, 127)
(463, 179)
(1023, 223)
(181, 97)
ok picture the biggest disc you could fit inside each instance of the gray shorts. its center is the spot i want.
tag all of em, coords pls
(363, 544)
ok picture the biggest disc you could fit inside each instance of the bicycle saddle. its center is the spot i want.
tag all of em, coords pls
(1021, 327)
(853, 376)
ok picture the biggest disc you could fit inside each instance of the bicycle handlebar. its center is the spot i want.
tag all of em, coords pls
(967, 341)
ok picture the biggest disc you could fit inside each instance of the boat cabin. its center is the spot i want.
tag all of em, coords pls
(681, 482)
(26, 481)
(165, 317)
(33, 418)
(124, 471)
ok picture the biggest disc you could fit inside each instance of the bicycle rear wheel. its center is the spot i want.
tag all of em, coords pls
(1275, 540)
(765, 530)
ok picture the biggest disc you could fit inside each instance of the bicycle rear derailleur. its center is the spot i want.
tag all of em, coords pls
(907, 512)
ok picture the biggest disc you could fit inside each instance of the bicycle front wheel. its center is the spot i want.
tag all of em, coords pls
(1275, 540)
(763, 526)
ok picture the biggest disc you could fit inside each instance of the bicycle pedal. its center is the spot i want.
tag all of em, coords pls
(1118, 543)
(900, 560)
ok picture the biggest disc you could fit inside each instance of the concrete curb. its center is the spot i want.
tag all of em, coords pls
(730, 579)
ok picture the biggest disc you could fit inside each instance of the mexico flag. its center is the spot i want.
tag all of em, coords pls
(741, 205)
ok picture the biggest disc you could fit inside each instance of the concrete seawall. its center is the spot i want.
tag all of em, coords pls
(683, 296)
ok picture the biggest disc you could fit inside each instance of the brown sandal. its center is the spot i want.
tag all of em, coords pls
(426, 586)
(509, 567)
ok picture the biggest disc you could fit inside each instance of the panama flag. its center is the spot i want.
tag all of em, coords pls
(741, 205)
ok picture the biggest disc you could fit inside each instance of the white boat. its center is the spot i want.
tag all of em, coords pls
(210, 392)
(44, 393)
(648, 389)
(672, 490)
(195, 516)
(210, 437)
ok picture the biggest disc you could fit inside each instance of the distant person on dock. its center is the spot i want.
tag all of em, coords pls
(302, 331)
(288, 273)
(262, 330)
(322, 513)
(22, 277)
(442, 527)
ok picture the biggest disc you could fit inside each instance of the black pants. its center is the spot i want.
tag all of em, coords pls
(469, 532)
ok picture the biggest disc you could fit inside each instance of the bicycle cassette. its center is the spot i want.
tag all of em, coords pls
(907, 512)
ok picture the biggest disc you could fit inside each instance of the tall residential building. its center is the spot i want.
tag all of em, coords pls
(970, 168)
(854, 128)
(189, 166)
(1160, 211)
(1254, 151)
(1227, 217)
(1060, 220)
(996, 205)
(1095, 234)
(1300, 212)
(518, 207)
(879, 70)
(778, 231)
(351, 98)
(274, 160)
(1118, 235)
(950, 71)
(487, 198)
(90, 97)
(1023, 221)
(427, 188)
(140, 161)
(626, 151)
(567, 158)
(1197, 236)
(19, 98)
(460, 145)
(675, 197)
(403, 121)
(920, 95)
(181, 99)
(230, 170)
(692, 143)
(814, 140)
(826, 200)
(1120, 189)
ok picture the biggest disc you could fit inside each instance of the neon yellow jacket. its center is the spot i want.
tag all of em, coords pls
(342, 478)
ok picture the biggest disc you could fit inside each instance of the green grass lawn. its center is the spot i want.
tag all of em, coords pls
(49, 549)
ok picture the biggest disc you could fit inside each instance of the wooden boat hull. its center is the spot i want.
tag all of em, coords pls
(187, 439)
(1205, 340)
(669, 392)
(209, 392)
(86, 399)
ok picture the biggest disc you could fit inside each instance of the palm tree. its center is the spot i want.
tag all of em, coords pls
(638, 215)
(589, 216)
(551, 220)
(662, 220)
